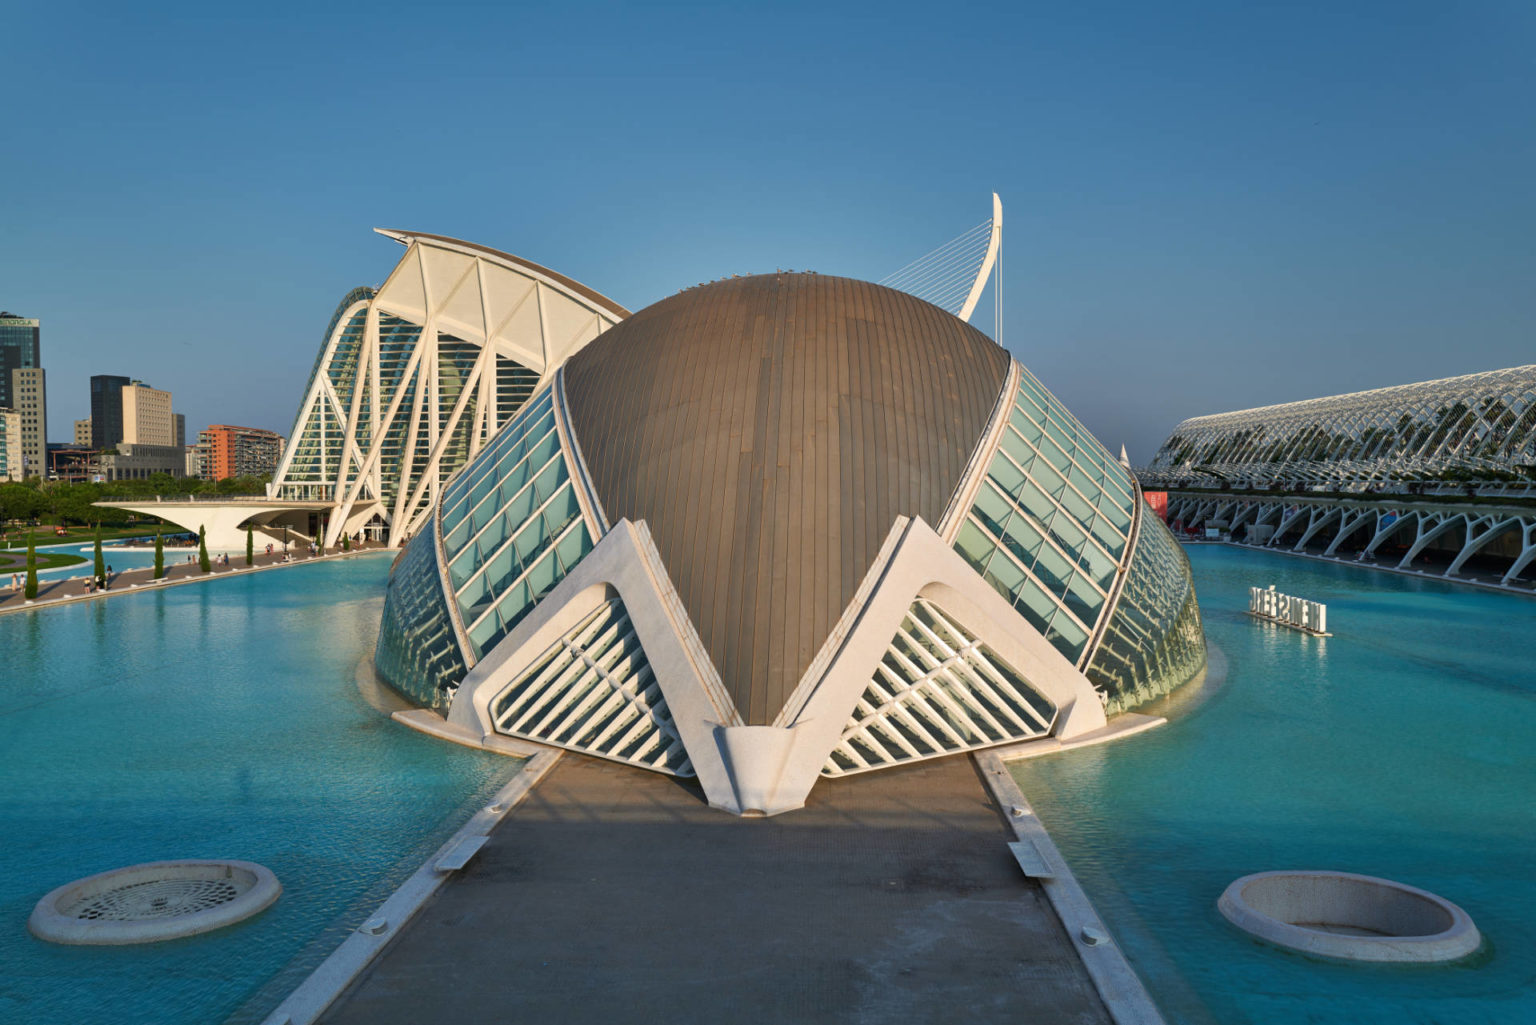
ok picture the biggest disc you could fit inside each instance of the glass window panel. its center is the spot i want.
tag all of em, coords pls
(1023, 541)
(992, 509)
(1067, 534)
(1004, 575)
(1055, 433)
(1112, 540)
(1014, 446)
(475, 599)
(1082, 599)
(1021, 422)
(1035, 605)
(974, 546)
(1006, 475)
(543, 575)
(1055, 455)
(1067, 637)
(531, 539)
(1073, 503)
(573, 546)
(1099, 566)
(1037, 505)
(1052, 571)
(1080, 480)
(1118, 515)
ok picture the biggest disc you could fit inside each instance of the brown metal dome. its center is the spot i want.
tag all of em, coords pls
(769, 430)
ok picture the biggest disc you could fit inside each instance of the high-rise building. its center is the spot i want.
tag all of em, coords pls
(226, 451)
(179, 429)
(83, 433)
(29, 392)
(107, 410)
(10, 445)
(20, 346)
(147, 416)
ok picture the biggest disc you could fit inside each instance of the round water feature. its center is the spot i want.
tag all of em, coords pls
(160, 900)
(1350, 917)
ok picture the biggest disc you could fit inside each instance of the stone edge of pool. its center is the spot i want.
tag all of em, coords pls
(9, 606)
(326, 983)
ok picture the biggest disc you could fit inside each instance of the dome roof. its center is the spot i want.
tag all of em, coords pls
(769, 430)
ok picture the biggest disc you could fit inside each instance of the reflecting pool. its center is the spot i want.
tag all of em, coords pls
(225, 719)
(1403, 746)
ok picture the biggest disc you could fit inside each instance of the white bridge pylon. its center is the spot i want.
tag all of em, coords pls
(953, 276)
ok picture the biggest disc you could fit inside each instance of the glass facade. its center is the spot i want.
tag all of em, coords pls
(938, 690)
(417, 653)
(20, 348)
(1154, 641)
(1049, 525)
(511, 526)
(594, 691)
(409, 438)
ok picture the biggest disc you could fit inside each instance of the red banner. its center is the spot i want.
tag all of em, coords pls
(1158, 500)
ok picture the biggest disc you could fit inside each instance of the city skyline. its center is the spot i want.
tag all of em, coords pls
(1231, 208)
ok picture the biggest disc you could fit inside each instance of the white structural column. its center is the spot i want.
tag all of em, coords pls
(451, 345)
(1417, 522)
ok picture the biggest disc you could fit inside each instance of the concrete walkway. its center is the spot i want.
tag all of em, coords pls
(616, 895)
(66, 586)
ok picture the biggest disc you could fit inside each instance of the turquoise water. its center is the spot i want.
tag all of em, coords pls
(1403, 746)
(221, 719)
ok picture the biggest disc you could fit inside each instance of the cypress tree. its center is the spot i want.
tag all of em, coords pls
(101, 564)
(202, 550)
(346, 543)
(30, 591)
(250, 547)
(159, 555)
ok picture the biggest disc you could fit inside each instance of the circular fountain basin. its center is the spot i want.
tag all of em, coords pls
(160, 900)
(1348, 916)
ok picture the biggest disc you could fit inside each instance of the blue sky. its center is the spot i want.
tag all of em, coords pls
(1208, 206)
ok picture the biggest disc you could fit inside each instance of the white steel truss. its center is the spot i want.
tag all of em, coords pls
(1479, 426)
(938, 690)
(953, 275)
(414, 379)
(1362, 528)
(594, 691)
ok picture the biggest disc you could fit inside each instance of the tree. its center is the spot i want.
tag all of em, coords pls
(31, 589)
(202, 551)
(159, 555)
(250, 547)
(101, 564)
(346, 543)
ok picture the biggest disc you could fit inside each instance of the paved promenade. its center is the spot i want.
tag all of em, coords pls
(616, 895)
(56, 588)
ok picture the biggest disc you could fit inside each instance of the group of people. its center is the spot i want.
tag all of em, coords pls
(101, 583)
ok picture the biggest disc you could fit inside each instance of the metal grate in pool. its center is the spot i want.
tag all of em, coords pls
(156, 901)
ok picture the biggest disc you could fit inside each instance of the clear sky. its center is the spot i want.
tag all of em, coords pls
(1208, 206)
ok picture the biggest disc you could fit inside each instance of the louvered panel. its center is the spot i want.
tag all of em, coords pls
(937, 691)
(594, 691)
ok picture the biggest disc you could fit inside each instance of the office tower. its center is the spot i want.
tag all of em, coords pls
(227, 451)
(29, 391)
(83, 433)
(10, 445)
(20, 346)
(147, 417)
(179, 429)
(107, 410)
